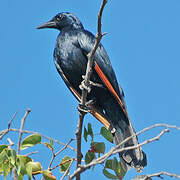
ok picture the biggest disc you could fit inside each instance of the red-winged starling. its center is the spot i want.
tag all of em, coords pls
(108, 105)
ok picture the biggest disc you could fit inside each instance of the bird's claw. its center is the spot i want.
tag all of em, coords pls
(82, 86)
(83, 108)
(90, 102)
(96, 84)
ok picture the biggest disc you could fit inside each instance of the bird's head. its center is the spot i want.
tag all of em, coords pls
(61, 21)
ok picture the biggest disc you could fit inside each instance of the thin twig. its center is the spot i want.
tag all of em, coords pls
(31, 153)
(9, 125)
(163, 173)
(67, 170)
(87, 84)
(10, 142)
(60, 164)
(15, 175)
(33, 132)
(21, 129)
(56, 154)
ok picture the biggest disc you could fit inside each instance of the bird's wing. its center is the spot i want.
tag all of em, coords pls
(93, 109)
(102, 65)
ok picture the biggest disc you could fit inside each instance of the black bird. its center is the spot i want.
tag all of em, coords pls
(70, 57)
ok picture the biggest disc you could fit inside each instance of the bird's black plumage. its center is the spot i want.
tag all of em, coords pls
(70, 57)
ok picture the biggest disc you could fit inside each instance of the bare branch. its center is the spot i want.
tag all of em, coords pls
(9, 125)
(87, 85)
(56, 154)
(15, 175)
(159, 174)
(33, 132)
(31, 153)
(21, 129)
(10, 142)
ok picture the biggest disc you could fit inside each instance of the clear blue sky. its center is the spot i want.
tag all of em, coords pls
(143, 43)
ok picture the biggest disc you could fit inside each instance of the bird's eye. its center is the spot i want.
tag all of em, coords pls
(59, 17)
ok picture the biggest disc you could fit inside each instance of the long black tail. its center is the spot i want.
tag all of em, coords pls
(135, 158)
(122, 128)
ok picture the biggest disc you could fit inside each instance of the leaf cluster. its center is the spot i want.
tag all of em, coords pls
(100, 148)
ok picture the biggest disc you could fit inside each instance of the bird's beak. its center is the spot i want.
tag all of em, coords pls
(49, 24)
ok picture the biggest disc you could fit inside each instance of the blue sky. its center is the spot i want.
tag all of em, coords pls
(143, 43)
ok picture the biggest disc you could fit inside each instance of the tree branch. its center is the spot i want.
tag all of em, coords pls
(159, 175)
(56, 154)
(33, 132)
(162, 173)
(9, 125)
(15, 175)
(21, 129)
(87, 85)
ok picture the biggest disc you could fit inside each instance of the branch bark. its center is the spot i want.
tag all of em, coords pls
(9, 125)
(15, 175)
(87, 85)
(21, 130)
(159, 174)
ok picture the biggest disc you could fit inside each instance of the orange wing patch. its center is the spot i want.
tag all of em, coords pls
(108, 85)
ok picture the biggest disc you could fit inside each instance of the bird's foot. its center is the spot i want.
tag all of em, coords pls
(93, 83)
(83, 109)
(82, 86)
(96, 84)
(90, 102)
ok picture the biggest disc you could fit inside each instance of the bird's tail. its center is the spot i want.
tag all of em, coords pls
(134, 158)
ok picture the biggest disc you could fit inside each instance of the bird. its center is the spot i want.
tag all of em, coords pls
(107, 99)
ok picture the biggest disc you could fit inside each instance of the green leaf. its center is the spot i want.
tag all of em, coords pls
(85, 134)
(51, 142)
(11, 159)
(30, 141)
(36, 167)
(116, 167)
(89, 157)
(3, 156)
(48, 175)
(90, 131)
(29, 171)
(2, 147)
(65, 164)
(21, 162)
(98, 147)
(20, 177)
(22, 159)
(109, 175)
(106, 134)
(6, 169)
(115, 164)
(109, 164)
(121, 172)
